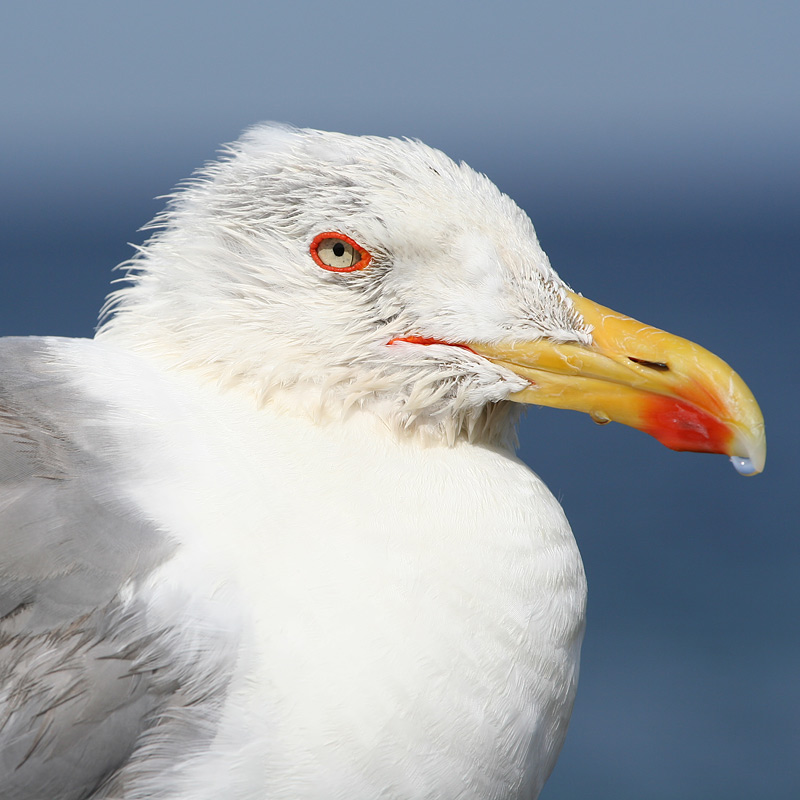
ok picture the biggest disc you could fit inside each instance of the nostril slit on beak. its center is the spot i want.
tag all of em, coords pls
(659, 365)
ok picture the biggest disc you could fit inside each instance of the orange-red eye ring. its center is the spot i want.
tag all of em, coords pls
(360, 264)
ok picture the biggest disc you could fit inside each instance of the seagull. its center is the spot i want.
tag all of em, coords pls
(265, 537)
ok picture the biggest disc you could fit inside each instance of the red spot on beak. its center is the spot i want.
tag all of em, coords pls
(682, 426)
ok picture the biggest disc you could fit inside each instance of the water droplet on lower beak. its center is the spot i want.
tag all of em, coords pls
(599, 417)
(744, 466)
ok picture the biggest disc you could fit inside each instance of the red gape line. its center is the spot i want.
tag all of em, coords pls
(424, 340)
(682, 426)
(363, 262)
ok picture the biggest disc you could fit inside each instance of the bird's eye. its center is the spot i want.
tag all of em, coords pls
(338, 253)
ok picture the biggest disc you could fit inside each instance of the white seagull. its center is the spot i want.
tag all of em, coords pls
(265, 537)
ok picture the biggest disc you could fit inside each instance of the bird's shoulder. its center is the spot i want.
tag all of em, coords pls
(83, 672)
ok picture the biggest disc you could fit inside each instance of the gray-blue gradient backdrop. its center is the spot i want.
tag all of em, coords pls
(655, 146)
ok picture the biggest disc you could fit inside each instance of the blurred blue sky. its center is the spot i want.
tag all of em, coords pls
(655, 146)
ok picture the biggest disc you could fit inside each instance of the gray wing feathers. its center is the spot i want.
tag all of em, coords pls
(82, 678)
(72, 715)
(66, 538)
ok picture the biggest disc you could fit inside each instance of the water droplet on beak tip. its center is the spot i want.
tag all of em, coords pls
(744, 466)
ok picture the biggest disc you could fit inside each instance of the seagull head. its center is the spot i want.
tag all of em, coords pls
(328, 273)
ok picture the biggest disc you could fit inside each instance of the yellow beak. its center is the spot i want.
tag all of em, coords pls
(632, 373)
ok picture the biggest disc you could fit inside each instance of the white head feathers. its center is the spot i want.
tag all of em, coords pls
(227, 285)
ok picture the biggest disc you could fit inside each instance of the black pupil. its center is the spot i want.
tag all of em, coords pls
(338, 249)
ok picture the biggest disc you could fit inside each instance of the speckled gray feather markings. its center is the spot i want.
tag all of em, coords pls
(84, 681)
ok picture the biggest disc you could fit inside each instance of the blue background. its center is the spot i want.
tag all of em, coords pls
(655, 146)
